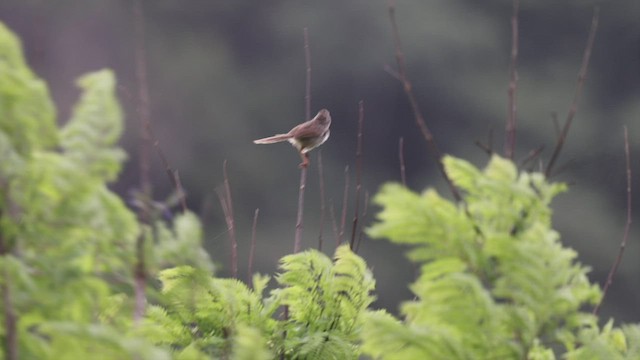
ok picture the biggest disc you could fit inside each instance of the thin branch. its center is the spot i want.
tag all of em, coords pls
(334, 222)
(627, 227)
(406, 84)
(533, 154)
(358, 173)
(297, 244)
(322, 204)
(252, 248)
(582, 75)
(345, 195)
(226, 202)
(403, 176)
(144, 117)
(174, 176)
(364, 218)
(307, 58)
(484, 147)
(510, 130)
(307, 98)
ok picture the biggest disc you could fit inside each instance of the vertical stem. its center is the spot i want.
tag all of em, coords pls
(322, 197)
(252, 248)
(230, 222)
(627, 227)
(345, 195)
(297, 245)
(510, 143)
(358, 173)
(144, 117)
(403, 176)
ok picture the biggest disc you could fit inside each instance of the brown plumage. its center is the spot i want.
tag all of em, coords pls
(306, 136)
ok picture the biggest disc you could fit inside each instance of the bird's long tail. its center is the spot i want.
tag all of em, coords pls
(273, 139)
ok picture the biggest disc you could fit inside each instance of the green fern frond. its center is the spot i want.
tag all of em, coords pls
(496, 280)
(27, 113)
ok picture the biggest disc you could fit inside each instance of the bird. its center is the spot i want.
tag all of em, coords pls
(304, 137)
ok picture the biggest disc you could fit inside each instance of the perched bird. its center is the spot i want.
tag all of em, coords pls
(306, 136)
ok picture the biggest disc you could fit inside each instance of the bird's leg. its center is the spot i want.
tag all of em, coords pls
(305, 160)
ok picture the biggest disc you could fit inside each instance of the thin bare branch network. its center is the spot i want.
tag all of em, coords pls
(582, 76)
(226, 202)
(420, 121)
(358, 173)
(512, 118)
(627, 227)
(252, 248)
(403, 176)
(345, 195)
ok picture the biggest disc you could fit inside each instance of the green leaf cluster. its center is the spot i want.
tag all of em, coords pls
(66, 240)
(315, 313)
(495, 282)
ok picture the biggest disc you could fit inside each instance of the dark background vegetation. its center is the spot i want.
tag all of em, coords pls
(222, 73)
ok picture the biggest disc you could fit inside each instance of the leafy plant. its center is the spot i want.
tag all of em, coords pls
(495, 281)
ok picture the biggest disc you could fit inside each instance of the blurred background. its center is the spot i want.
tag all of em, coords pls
(223, 73)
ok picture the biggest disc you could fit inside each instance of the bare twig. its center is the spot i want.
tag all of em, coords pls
(174, 176)
(582, 75)
(144, 117)
(334, 222)
(533, 154)
(358, 173)
(322, 205)
(297, 244)
(252, 248)
(364, 218)
(307, 58)
(627, 227)
(403, 176)
(345, 195)
(226, 202)
(422, 125)
(510, 130)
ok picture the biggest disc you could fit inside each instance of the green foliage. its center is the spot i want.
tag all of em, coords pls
(495, 280)
(324, 301)
(67, 241)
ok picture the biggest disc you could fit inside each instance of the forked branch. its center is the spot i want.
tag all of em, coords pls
(582, 76)
(408, 89)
